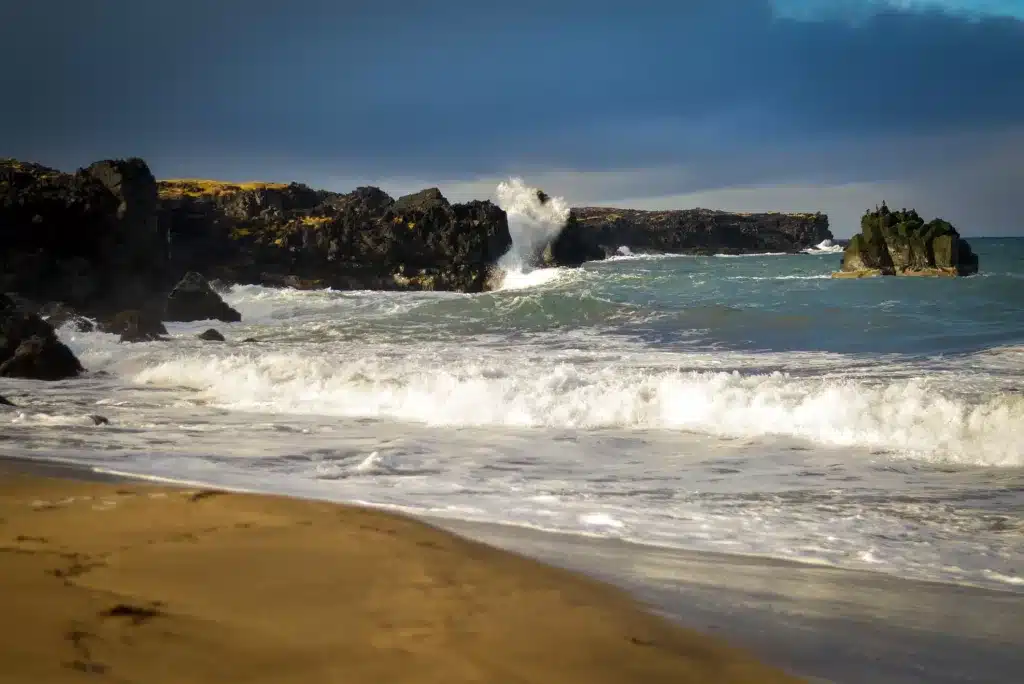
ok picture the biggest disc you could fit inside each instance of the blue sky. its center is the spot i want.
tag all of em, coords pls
(829, 105)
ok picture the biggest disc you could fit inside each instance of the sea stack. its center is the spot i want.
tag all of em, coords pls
(901, 243)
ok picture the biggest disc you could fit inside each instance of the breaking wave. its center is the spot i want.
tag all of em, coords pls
(909, 417)
(534, 220)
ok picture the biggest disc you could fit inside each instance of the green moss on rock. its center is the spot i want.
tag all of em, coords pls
(901, 243)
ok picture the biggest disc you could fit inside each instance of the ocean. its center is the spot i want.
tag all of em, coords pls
(746, 405)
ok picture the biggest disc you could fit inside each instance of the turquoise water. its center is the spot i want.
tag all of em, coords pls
(739, 404)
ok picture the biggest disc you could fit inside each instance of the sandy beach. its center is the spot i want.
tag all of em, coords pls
(130, 582)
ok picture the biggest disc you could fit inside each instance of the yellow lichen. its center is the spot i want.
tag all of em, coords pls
(411, 224)
(197, 187)
(315, 221)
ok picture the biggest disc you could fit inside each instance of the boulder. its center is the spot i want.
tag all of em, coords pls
(901, 243)
(192, 299)
(29, 347)
(211, 335)
(135, 325)
(5, 402)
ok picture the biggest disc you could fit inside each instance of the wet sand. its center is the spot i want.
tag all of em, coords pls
(130, 582)
(828, 624)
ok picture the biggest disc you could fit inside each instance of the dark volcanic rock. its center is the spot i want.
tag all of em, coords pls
(89, 238)
(211, 335)
(135, 325)
(901, 243)
(594, 233)
(4, 401)
(290, 235)
(29, 347)
(193, 299)
(99, 420)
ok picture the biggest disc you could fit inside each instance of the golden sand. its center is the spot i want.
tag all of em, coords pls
(127, 582)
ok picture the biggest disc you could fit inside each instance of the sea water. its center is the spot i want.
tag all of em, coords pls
(750, 405)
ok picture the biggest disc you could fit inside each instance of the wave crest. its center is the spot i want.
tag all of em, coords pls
(910, 417)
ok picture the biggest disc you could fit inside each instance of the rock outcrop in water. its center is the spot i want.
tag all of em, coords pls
(109, 238)
(594, 233)
(193, 299)
(135, 325)
(901, 243)
(293, 235)
(29, 347)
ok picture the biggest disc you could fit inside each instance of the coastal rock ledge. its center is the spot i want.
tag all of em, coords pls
(595, 233)
(901, 243)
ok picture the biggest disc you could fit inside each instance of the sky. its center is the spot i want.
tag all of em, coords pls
(780, 105)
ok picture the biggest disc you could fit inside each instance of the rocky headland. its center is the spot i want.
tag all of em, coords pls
(110, 246)
(901, 243)
(594, 233)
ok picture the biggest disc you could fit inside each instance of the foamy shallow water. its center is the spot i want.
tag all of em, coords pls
(551, 406)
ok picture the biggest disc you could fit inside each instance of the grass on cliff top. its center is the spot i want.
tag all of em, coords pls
(195, 187)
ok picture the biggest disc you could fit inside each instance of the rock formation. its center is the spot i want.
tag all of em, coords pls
(109, 238)
(593, 233)
(89, 238)
(29, 347)
(135, 325)
(292, 235)
(901, 243)
(211, 335)
(193, 299)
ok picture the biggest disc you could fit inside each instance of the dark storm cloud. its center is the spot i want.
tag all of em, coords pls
(461, 89)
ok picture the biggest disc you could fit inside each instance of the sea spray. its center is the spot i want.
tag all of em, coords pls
(534, 220)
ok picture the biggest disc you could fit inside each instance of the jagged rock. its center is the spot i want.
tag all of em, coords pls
(192, 299)
(211, 335)
(99, 420)
(59, 315)
(594, 233)
(29, 347)
(88, 238)
(290, 235)
(901, 243)
(135, 325)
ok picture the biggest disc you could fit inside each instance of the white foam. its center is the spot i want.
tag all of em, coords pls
(533, 225)
(521, 280)
(751, 254)
(908, 416)
(824, 247)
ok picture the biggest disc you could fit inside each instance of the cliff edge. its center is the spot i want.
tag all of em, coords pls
(594, 233)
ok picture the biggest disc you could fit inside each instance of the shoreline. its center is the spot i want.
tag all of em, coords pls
(504, 529)
(208, 585)
(827, 624)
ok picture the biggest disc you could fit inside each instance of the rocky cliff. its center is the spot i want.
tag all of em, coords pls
(597, 232)
(901, 243)
(294, 235)
(86, 238)
(108, 237)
